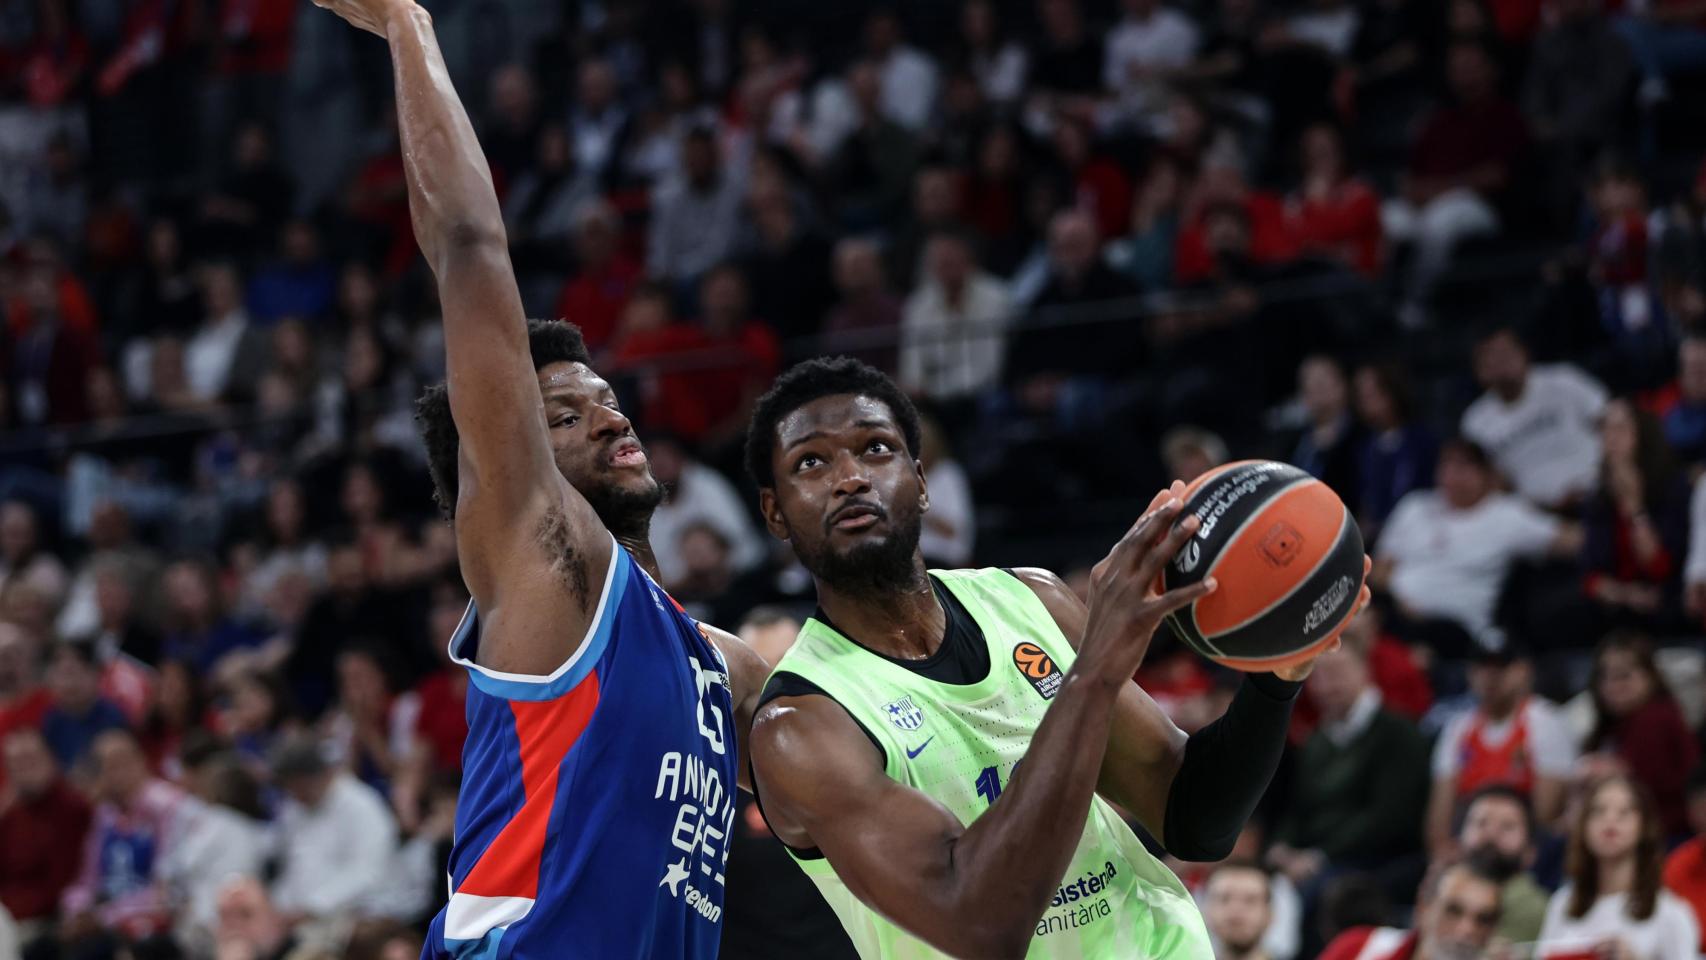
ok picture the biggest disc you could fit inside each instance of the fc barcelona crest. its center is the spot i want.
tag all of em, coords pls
(904, 714)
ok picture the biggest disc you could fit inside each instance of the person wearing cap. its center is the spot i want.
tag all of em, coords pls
(336, 836)
(1511, 738)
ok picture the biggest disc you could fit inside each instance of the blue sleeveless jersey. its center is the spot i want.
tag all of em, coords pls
(597, 802)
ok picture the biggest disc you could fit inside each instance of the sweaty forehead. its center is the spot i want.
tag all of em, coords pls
(829, 415)
(565, 378)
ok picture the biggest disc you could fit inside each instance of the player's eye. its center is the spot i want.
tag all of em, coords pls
(567, 420)
(806, 462)
(879, 446)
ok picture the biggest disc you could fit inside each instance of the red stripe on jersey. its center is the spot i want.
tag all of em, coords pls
(546, 730)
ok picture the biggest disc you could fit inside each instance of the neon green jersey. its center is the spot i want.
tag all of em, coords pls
(960, 743)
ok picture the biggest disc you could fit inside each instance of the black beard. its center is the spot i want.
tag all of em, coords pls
(870, 569)
(1503, 866)
(626, 513)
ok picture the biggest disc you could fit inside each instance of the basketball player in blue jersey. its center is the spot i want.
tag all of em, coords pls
(599, 772)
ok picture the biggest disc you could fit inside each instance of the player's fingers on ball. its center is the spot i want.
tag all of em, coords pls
(1367, 564)
(1184, 596)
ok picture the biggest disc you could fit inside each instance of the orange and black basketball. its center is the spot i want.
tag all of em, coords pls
(1289, 559)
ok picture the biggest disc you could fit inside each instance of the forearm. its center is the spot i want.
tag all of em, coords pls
(1226, 768)
(451, 198)
(1008, 863)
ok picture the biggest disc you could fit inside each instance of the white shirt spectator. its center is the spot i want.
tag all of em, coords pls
(219, 845)
(1547, 441)
(948, 350)
(9, 944)
(1695, 570)
(702, 495)
(908, 88)
(1166, 40)
(1551, 745)
(950, 503)
(692, 230)
(335, 857)
(210, 353)
(1332, 30)
(1452, 563)
(1671, 933)
(1001, 75)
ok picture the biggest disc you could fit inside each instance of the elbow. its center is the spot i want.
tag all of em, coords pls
(475, 234)
(1201, 849)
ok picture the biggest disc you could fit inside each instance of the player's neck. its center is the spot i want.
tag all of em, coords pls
(905, 622)
(639, 544)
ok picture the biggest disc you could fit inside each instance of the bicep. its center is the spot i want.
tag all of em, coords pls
(747, 673)
(824, 786)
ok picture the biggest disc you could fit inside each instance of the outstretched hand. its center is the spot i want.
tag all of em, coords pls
(369, 15)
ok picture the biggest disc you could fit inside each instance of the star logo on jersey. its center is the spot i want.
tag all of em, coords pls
(904, 714)
(676, 872)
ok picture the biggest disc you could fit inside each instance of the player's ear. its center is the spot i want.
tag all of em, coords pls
(923, 487)
(771, 509)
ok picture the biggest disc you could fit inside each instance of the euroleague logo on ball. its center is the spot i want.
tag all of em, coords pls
(1036, 666)
(1189, 557)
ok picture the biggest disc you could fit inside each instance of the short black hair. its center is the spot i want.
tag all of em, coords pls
(550, 341)
(1500, 791)
(813, 380)
(1469, 450)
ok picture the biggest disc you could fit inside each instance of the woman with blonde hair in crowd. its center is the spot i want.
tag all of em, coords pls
(1613, 903)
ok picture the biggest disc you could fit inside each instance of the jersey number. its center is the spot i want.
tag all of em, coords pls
(988, 782)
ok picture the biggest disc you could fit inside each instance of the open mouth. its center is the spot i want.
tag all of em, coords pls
(856, 517)
(628, 453)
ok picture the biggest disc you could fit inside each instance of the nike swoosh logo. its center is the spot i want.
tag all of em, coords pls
(913, 754)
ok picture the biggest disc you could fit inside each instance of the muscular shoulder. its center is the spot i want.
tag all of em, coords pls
(810, 760)
(1063, 605)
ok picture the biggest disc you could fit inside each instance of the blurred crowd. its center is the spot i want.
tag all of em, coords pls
(1448, 255)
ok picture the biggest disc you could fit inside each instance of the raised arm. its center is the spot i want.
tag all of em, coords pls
(508, 483)
(974, 890)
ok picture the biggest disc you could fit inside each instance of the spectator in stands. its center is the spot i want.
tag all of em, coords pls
(1537, 422)
(511, 121)
(79, 714)
(603, 277)
(1685, 421)
(1334, 213)
(1636, 525)
(367, 725)
(1066, 58)
(994, 58)
(1189, 452)
(698, 494)
(1398, 450)
(1444, 554)
(1461, 167)
(338, 835)
(695, 214)
(1063, 377)
(24, 558)
(937, 206)
(1498, 829)
(1511, 738)
(228, 839)
(1639, 729)
(788, 267)
(139, 823)
(23, 700)
(1456, 916)
(441, 720)
(1358, 792)
(1666, 39)
(198, 629)
(44, 357)
(226, 354)
(1694, 572)
(1579, 78)
(1149, 44)
(1237, 908)
(45, 819)
(908, 76)
(867, 318)
(1613, 901)
(950, 528)
(1685, 867)
(1332, 439)
(870, 170)
(253, 711)
(1145, 253)
(301, 283)
(598, 124)
(178, 711)
(953, 334)
(249, 925)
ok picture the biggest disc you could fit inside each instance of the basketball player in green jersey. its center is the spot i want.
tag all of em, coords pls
(887, 748)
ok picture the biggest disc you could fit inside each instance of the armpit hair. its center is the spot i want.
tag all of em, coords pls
(556, 538)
